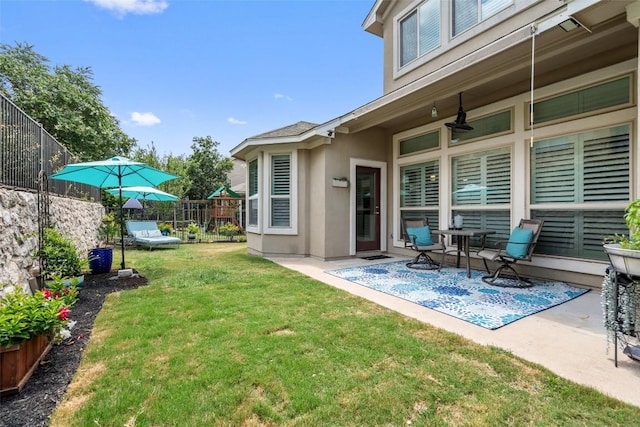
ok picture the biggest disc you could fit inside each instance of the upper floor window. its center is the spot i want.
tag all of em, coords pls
(467, 13)
(420, 31)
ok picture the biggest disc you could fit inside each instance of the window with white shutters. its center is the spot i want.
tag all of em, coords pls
(420, 192)
(280, 191)
(590, 168)
(482, 181)
(419, 185)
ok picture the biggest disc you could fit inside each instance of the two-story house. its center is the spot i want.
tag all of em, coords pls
(573, 163)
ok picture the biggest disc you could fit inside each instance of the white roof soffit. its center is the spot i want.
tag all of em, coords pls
(374, 21)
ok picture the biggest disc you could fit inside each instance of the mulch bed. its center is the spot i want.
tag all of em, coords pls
(44, 390)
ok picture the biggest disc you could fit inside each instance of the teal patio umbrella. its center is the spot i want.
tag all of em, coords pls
(116, 172)
(144, 193)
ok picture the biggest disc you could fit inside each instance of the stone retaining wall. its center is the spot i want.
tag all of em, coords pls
(77, 219)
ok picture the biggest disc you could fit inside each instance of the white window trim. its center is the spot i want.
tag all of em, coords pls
(266, 198)
(258, 227)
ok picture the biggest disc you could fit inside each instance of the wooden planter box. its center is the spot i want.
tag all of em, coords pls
(18, 362)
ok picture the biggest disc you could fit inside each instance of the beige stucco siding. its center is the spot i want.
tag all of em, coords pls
(452, 50)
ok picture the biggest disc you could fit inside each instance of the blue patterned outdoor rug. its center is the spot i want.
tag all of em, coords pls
(451, 292)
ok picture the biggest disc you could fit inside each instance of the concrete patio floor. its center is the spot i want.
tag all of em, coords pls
(568, 339)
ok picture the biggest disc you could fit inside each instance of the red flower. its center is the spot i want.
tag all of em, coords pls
(46, 293)
(63, 313)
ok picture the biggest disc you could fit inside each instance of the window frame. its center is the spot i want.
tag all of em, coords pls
(416, 9)
(580, 209)
(479, 18)
(268, 228)
(254, 198)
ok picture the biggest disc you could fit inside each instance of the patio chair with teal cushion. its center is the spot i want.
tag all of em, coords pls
(418, 236)
(519, 247)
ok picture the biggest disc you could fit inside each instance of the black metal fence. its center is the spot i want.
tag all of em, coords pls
(26, 149)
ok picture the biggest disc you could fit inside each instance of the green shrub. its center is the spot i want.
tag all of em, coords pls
(59, 256)
(229, 229)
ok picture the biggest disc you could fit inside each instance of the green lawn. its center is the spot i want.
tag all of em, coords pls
(219, 338)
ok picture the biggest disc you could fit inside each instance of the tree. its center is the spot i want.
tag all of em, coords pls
(64, 100)
(176, 165)
(206, 168)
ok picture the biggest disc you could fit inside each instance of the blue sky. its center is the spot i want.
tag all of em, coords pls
(171, 70)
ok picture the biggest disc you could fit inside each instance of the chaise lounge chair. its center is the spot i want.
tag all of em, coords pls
(147, 233)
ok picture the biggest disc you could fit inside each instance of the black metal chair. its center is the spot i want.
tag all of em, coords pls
(418, 236)
(519, 247)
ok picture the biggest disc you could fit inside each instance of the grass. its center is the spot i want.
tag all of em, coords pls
(219, 338)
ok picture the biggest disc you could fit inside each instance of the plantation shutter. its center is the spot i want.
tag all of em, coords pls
(281, 190)
(498, 179)
(467, 172)
(482, 179)
(591, 167)
(253, 193)
(606, 168)
(253, 177)
(419, 185)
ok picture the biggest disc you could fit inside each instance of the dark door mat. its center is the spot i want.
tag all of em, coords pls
(374, 257)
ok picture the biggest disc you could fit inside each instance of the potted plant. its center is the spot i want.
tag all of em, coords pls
(229, 230)
(624, 251)
(192, 229)
(59, 257)
(165, 228)
(101, 257)
(30, 322)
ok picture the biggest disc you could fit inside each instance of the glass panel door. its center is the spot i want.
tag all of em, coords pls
(367, 209)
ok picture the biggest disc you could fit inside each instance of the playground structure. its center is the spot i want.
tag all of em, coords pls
(212, 213)
(221, 207)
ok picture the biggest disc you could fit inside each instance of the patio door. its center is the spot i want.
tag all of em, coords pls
(367, 190)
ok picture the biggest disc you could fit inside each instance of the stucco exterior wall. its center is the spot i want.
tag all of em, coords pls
(319, 198)
(371, 145)
(522, 13)
(76, 219)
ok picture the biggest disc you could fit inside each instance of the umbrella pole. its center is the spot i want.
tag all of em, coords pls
(121, 219)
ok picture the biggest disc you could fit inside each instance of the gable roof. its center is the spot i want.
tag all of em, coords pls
(222, 189)
(291, 130)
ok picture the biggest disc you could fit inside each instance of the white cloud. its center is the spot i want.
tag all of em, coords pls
(138, 7)
(144, 119)
(281, 96)
(235, 121)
